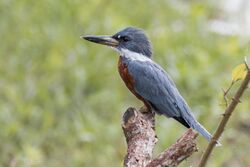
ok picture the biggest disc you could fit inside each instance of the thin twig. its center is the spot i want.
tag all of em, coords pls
(226, 92)
(226, 116)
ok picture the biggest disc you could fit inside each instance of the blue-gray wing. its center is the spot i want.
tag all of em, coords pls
(154, 85)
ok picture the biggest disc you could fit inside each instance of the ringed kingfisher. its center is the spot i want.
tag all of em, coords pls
(147, 80)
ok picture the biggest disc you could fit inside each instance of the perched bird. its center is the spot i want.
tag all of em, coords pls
(149, 82)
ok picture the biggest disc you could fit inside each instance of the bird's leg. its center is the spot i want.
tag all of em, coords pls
(149, 113)
(146, 109)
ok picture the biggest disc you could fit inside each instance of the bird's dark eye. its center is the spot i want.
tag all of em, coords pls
(122, 38)
(125, 38)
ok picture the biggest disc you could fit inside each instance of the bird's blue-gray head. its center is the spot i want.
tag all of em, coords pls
(130, 38)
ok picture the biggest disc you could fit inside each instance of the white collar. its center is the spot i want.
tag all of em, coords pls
(133, 55)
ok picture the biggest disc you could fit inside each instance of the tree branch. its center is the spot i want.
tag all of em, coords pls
(139, 130)
(226, 116)
(175, 154)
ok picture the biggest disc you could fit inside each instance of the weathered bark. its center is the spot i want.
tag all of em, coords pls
(175, 154)
(139, 130)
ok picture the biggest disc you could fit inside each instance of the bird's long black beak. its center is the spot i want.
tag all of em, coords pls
(104, 40)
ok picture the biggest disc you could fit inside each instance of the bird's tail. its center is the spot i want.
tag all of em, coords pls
(198, 127)
(194, 124)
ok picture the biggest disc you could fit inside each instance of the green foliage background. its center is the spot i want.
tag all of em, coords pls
(61, 98)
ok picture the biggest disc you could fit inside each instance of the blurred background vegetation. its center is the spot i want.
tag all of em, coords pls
(61, 98)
